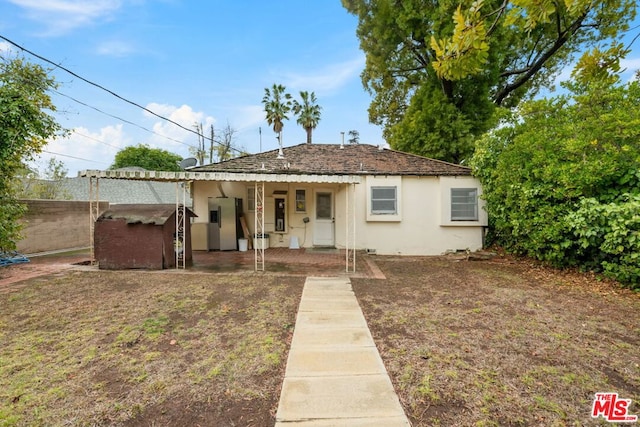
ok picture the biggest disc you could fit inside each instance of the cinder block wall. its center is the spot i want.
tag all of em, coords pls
(51, 225)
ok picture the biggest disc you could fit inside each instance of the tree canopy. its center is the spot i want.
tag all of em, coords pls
(25, 126)
(308, 112)
(49, 185)
(438, 70)
(143, 156)
(562, 176)
(277, 104)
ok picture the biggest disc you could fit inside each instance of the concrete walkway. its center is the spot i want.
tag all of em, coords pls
(334, 375)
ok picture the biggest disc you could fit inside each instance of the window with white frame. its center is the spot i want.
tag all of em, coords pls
(301, 201)
(464, 204)
(384, 200)
(251, 199)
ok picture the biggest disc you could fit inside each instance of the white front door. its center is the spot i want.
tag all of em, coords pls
(323, 230)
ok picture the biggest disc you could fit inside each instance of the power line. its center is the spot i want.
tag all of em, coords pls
(121, 119)
(94, 139)
(111, 92)
(72, 157)
(110, 115)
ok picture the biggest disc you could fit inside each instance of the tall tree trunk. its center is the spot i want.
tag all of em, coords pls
(309, 130)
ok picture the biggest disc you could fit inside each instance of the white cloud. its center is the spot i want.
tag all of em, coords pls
(62, 16)
(84, 149)
(327, 80)
(183, 115)
(5, 47)
(115, 48)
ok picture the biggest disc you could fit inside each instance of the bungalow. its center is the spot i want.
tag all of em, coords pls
(355, 196)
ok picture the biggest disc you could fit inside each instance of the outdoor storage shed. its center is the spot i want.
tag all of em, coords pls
(140, 236)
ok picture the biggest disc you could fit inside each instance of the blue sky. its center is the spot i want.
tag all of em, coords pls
(205, 62)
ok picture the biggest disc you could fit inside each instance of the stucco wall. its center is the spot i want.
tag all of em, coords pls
(295, 220)
(51, 225)
(421, 227)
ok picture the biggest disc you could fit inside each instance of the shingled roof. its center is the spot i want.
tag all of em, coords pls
(330, 159)
(142, 214)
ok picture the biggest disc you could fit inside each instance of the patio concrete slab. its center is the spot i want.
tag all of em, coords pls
(330, 303)
(334, 374)
(343, 397)
(326, 337)
(335, 319)
(350, 422)
(334, 361)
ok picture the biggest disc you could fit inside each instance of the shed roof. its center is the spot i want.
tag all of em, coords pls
(142, 214)
(335, 159)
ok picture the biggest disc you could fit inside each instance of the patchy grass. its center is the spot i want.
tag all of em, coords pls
(141, 348)
(466, 344)
(499, 343)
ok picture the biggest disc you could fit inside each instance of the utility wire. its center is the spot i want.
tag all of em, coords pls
(113, 116)
(111, 92)
(94, 139)
(121, 119)
(72, 157)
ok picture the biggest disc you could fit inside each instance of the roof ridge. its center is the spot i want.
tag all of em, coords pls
(430, 158)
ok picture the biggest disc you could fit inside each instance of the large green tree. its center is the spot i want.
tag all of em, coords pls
(141, 155)
(277, 104)
(438, 69)
(26, 124)
(562, 176)
(308, 112)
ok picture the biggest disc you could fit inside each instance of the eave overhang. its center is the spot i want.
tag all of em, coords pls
(220, 176)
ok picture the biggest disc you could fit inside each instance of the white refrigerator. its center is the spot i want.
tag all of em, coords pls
(224, 213)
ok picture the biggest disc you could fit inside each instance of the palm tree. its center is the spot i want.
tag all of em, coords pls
(277, 103)
(308, 112)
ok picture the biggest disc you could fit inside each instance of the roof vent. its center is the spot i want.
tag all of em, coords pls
(342, 143)
(380, 147)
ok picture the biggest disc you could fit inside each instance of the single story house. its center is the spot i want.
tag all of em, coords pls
(141, 236)
(354, 196)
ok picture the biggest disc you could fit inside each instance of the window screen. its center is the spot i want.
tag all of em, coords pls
(384, 201)
(464, 204)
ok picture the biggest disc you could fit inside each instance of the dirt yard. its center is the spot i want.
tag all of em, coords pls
(145, 349)
(491, 343)
(503, 342)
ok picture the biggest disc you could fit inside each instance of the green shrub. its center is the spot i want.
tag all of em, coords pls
(562, 180)
(608, 234)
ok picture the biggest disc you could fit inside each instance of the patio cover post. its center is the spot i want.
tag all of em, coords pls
(94, 213)
(181, 214)
(350, 219)
(259, 242)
